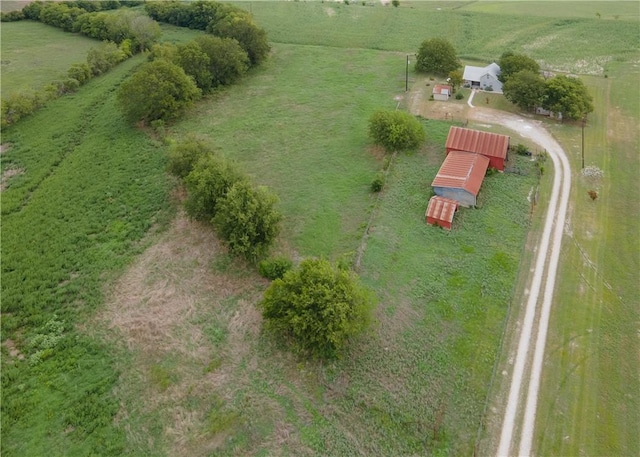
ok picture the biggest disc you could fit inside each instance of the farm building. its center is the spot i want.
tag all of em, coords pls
(485, 78)
(461, 176)
(440, 211)
(491, 145)
(441, 92)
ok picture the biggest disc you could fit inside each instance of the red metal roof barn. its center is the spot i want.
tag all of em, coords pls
(461, 176)
(440, 211)
(492, 145)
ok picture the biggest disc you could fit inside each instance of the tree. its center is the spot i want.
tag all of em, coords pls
(568, 96)
(525, 89)
(196, 63)
(510, 64)
(395, 130)
(228, 61)
(207, 184)
(455, 79)
(240, 27)
(318, 306)
(438, 56)
(247, 219)
(184, 155)
(158, 90)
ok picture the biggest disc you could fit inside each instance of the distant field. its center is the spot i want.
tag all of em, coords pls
(578, 45)
(35, 54)
(605, 10)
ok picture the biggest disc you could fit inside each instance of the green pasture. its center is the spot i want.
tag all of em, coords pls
(90, 187)
(607, 10)
(590, 383)
(35, 54)
(561, 42)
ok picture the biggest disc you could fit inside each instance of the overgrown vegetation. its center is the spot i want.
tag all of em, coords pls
(319, 306)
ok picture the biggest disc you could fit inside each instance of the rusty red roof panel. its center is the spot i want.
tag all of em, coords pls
(442, 89)
(462, 170)
(485, 143)
(441, 208)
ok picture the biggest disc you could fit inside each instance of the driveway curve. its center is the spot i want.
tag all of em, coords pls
(521, 409)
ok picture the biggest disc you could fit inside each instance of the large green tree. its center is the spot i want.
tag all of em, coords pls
(569, 96)
(158, 90)
(248, 220)
(525, 89)
(510, 64)
(318, 306)
(438, 56)
(240, 27)
(228, 61)
(395, 130)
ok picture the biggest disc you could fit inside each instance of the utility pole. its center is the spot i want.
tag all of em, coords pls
(406, 77)
(584, 122)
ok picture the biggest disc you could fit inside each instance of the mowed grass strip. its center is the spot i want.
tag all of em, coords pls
(100, 187)
(561, 42)
(28, 48)
(589, 403)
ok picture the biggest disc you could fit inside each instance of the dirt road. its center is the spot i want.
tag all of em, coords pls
(520, 411)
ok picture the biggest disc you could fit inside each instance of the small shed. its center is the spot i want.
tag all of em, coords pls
(440, 211)
(491, 145)
(460, 177)
(441, 92)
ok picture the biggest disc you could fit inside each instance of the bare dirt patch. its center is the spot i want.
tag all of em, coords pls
(13, 351)
(419, 103)
(4, 147)
(188, 328)
(7, 175)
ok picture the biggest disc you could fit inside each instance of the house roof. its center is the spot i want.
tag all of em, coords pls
(475, 73)
(485, 143)
(441, 89)
(462, 170)
(441, 208)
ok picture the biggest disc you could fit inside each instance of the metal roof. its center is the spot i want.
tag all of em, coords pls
(485, 143)
(472, 73)
(462, 170)
(441, 208)
(442, 89)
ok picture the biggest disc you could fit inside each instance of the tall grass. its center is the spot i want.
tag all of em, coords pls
(92, 188)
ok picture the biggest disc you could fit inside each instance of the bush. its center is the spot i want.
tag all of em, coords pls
(378, 183)
(104, 58)
(522, 150)
(252, 38)
(247, 219)
(80, 72)
(158, 90)
(184, 155)
(18, 105)
(209, 182)
(318, 306)
(275, 267)
(12, 16)
(396, 130)
(395, 3)
(459, 96)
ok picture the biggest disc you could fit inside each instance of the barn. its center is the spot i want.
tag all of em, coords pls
(491, 145)
(440, 211)
(461, 176)
(441, 92)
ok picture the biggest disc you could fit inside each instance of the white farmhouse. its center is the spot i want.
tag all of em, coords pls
(485, 78)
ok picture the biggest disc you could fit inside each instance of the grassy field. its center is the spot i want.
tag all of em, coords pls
(590, 404)
(89, 189)
(119, 344)
(27, 50)
(553, 41)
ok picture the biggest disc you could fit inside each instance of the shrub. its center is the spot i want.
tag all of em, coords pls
(247, 219)
(208, 182)
(459, 96)
(158, 90)
(184, 155)
(318, 306)
(252, 38)
(104, 58)
(12, 16)
(396, 130)
(80, 72)
(378, 183)
(395, 3)
(522, 150)
(275, 267)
